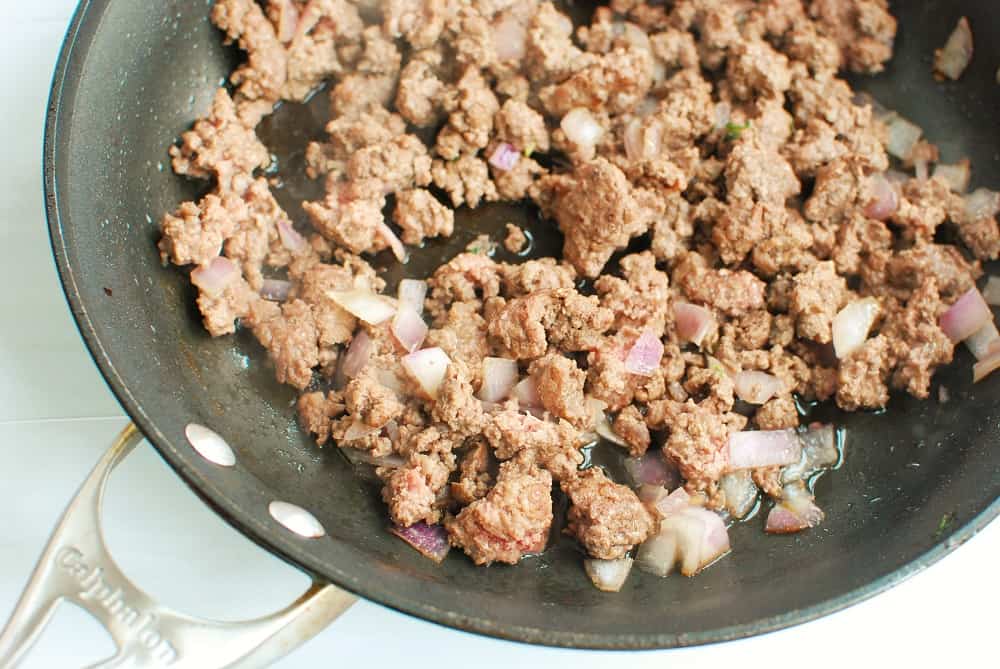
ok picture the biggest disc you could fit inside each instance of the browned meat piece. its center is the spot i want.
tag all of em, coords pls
(462, 336)
(256, 241)
(818, 52)
(219, 311)
(264, 73)
(420, 215)
(352, 225)
(630, 425)
(419, 97)
(468, 277)
(398, 164)
(917, 343)
(672, 228)
(639, 301)
(614, 83)
(554, 447)
(857, 238)
(862, 376)
(731, 292)
(755, 68)
(864, 30)
(317, 410)
(219, 145)
(597, 213)
(756, 172)
(521, 126)
(517, 182)
(513, 519)
(738, 230)
(369, 401)
(194, 234)
(474, 477)
(532, 276)
(559, 383)
(349, 134)
(777, 414)
(471, 107)
(466, 180)
(515, 241)
(527, 326)
(290, 337)
(675, 48)
(814, 146)
(550, 54)
(982, 236)
(606, 518)
(907, 269)
(711, 388)
(768, 479)
(420, 23)
(698, 438)
(817, 296)
(924, 206)
(334, 325)
(413, 493)
(456, 405)
(358, 93)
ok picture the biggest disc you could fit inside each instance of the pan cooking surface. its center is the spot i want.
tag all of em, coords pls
(117, 103)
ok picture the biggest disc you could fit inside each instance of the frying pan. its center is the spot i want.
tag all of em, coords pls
(918, 479)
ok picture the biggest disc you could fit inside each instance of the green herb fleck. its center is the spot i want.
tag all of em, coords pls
(734, 130)
(716, 367)
(528, 150)
(946, 521)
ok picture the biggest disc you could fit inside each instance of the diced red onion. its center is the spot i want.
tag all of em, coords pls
(642, 139)
(428, 367)
(852, 324)
(527, 393)
(986, 366)
(675, 502)
(757, 387)
(601, 425)
(763, 448)
(275, 289)
(359, 430)
(657, 554)
(991, 291)
(390, 238)
(956, 55)
(357, 355)
(364, 304)
(740, 492)
(956, 176)
(884, 199)
(645, 355)
(700, 538)
(798, 511)
(651, 469)
(499, 378)
(903, 136)
(505, 157)
(581, 128)
(212, 279)
(509, 36)
(651, 494)
(693, 323)
(290, 238)
(981, 203)
(408, 328)
(431, 541)
(969, 313)
(819, 451)
(412, 292)
(608, 575)
(983, 340)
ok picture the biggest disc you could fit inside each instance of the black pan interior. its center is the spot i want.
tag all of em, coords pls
(917, 481)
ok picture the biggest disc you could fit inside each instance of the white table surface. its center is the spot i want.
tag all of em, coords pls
(57, 416)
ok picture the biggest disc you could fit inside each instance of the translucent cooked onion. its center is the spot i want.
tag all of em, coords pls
(394, 242)
(956, 176)
(642, 139)
(757, 387)
(645, 355)
(693, 323)
(608, 575)
(982, 341)
(986, 366)
(581, 128)
(505, 157)
(763, 448)
(431, 541)
(981, 203)
(700, 538)
(903, 136)
(428, 367)
(408, 328)
(883, 199)
(527, 394)
(651, 468)
(675, 502)
(275, 290)
(499, 378)
(601, 424)
(357, 355)
(852, 324)
(819, 451)
(740, 492)
(366, 305)
(991, 291)
(964, 318)
(509, 36)
(796, 512)
(290, 238)
(412, 292)
(359, 430)
(956, 55)
(212, 279)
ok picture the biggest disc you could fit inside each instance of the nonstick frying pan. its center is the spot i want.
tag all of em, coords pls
(918, 479)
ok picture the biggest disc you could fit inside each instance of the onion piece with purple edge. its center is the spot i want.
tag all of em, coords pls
(740, 492)
(757, 387)
(883, 198)
(763, 448)
(359, 430)
(581, 128)
(966, 316)
(693, 323)
(428, 367)
(504, 157)
(951, 60)
(981, 203)
(408, 328)
(651, 468)
(991, 291)
(852, 324)
(601, 424)
(645, 355)
(527, 393)
(608, 575)
(986, 366)
(675, 502)
(431, 541)
(903, 136)
(982, 340)
(290, 237)
(214, 277)
(700, 538)
(796, 512)
(357, 355)
(509, 38)
(650, 494)
(657, 554)
(956, 176)
(364, 304)
(390, 238)
(275, 290)
(499, 378)
(642, 139)
(819, 451)
(412, 292)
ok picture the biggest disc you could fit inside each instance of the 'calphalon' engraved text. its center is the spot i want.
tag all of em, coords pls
(94, 588)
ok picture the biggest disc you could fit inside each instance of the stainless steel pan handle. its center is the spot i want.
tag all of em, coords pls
(76, 566)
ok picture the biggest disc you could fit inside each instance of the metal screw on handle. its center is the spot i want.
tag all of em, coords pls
(76, 566)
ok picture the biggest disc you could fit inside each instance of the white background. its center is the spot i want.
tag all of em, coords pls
(56, 417)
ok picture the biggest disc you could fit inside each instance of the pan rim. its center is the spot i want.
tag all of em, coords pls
(87, 17)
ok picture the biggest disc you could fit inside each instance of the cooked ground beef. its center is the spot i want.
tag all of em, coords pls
(701, 160)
